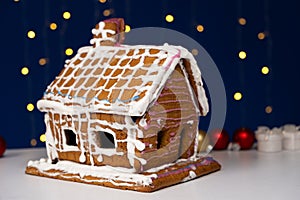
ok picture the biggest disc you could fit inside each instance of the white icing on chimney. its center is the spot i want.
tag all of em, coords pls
(104, 35)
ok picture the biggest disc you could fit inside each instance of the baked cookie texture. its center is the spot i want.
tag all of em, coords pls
(124, 116)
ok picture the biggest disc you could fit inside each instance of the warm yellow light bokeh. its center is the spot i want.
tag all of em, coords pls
(66, 15)
(261, 36)
(242, 21)
(169, 18)
(53, 26)
(31, 34)
(30, 107)
(237, 96)
(200, 28)
(24, 70)
(43, 138)
(268, 109)
(127, 28)
(43, 61)
(106, 12)
(102, 1)
(33, 142)
(265, 70)
(242, 55)
(69, 51)
(195, 52)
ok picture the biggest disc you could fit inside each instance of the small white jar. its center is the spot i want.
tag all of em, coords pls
(291, 137)
(269, 140)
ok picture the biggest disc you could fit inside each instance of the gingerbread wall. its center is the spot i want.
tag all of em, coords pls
(85, 149)
(172, 123)
(58, 123)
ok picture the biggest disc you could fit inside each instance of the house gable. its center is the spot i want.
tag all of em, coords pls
(170, 123)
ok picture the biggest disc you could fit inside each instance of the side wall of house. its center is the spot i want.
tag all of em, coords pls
(171, 123)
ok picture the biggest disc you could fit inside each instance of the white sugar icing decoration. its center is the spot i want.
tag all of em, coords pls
(191, 176)
(50, 140)
(135, 106)
(82, 158)
(104, 33)
(105, 173)
(115, 175)
(143, 122)
(133, 143)
(190, 122)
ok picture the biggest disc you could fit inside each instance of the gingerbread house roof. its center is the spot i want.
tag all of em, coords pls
(118, 79)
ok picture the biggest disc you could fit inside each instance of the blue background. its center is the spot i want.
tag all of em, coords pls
(223, 38)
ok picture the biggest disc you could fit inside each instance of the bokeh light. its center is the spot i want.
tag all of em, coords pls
(268, 109)
(237, 96)
(195, 52)
(242, 55)
(242, 21)
(265, 70)
(30, 107)
(169, 18)
(261, 36)
(200, 28)
(127, 28)
(106, 12)
(53, 26)
(31, 34)
(66, 15)
(43, 138)
(33, 142)
(24, 71)
(102, 1)
(43, 61)
(69, 51)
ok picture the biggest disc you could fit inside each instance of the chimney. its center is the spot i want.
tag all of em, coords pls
(108, 33)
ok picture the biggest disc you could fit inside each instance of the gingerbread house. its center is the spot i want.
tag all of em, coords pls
(128, 107)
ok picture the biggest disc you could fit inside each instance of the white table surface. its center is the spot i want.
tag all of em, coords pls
(244, 175)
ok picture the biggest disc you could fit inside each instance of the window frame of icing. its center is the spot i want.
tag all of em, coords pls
(102, 151)
(66, 146)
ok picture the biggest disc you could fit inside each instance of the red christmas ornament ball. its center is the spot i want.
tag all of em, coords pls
(245, 137)
(2, 146)
(220, 139)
